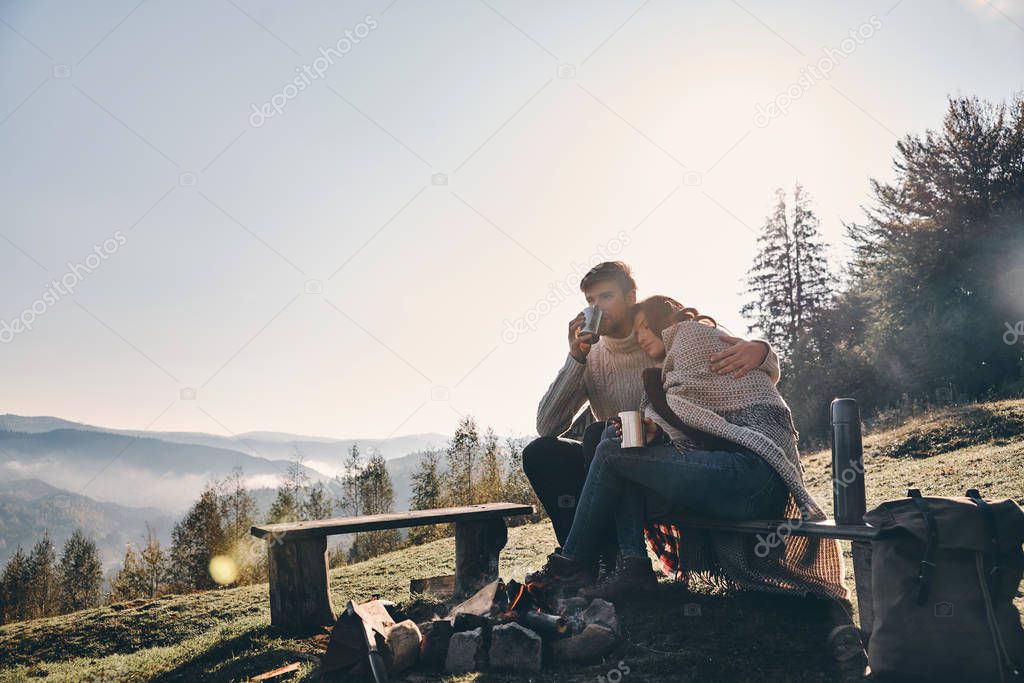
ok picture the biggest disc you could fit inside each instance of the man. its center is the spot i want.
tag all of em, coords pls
(607, 374)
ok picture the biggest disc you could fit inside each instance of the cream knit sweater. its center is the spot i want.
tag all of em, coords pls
(611, 379)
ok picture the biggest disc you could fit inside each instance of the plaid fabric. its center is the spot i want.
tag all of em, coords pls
(663, 540)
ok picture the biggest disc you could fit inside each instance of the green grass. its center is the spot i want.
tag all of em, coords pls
(225, 635)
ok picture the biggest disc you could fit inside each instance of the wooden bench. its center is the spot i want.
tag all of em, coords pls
(849, 506)
(300, 591)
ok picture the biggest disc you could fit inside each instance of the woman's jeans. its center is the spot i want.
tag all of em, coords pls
(719, 484)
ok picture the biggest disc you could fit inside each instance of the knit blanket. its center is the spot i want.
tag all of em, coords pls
(748, 411)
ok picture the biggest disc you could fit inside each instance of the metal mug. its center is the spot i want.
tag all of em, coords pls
(632, 428)
(592, 322)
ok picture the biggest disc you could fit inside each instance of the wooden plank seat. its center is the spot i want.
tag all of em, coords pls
(848, 501)
(300, 597)
(764, 527)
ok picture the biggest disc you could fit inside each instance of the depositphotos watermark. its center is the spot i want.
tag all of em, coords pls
(1014, 333)
(64, 286)
(311, 72)
(812, 74)
(562, 289)
(765, 544)
(615, 674)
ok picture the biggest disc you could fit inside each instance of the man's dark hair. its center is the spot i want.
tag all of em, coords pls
(609, 270)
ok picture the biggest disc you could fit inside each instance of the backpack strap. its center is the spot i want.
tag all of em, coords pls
(926, 570)
(993, 539)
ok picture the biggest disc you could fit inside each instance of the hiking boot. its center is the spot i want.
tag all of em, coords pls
(563, 575)
(537, 573)
(635, 576)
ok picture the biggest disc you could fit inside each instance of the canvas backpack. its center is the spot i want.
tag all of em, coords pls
(944, 575)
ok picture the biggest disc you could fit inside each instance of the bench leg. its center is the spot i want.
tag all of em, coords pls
(300, 595)
(477, 546)
(862, 579)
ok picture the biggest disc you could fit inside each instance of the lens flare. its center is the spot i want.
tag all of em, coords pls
(223, 570)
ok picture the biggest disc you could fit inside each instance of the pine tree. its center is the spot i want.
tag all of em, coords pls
(350, 503)
(153, 565)
(488, 490)
(43, 595)
(463, 453)
(196, 539)
(288, 505)
(318, 503)
(129, 582)
(81, 573)
(237, 506)
(426, 495)
(14, 588)
(377, 496)
(789, 280)
(938, 262)
(516, 488)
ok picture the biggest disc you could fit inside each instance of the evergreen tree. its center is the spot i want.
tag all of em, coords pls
(318, 503)
(516, 488)
(377, 496)
(426, 495)
(939, 261)
(142, 574)
(14, 588)
(196, 539)
(81, 573)
(237, 506)
(488, 490)
(288, 505)
(463, 453)
(43, 595)
(350, 503)
(129, 582)
(153, 565)
(789, 280)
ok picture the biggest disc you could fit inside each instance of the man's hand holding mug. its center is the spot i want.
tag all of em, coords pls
(579, 342)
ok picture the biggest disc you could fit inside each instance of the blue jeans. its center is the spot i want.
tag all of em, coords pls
(719, 484)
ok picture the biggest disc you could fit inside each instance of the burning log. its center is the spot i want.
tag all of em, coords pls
(546, 625)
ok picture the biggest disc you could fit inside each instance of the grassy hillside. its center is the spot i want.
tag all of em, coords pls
(225, 635)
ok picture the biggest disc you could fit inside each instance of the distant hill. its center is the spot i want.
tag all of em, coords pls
(29, 507)
(327, 452)
(129, 470)
(168, 469)
(60, 474)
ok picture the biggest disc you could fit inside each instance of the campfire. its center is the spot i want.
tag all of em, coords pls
(505, 626)
(530, 605)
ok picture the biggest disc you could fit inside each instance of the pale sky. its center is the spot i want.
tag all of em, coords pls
(313, 273)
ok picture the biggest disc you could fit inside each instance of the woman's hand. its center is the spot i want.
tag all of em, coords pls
(651, 431)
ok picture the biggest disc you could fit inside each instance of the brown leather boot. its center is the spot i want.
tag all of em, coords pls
(563, 575)
(635, 576)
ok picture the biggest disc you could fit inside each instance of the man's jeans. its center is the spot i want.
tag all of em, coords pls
(719, 484)
(557, 469)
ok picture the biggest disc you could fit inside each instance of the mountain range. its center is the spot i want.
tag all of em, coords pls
(57, 474)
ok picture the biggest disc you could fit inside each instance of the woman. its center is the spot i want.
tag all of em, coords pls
(717, 446)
